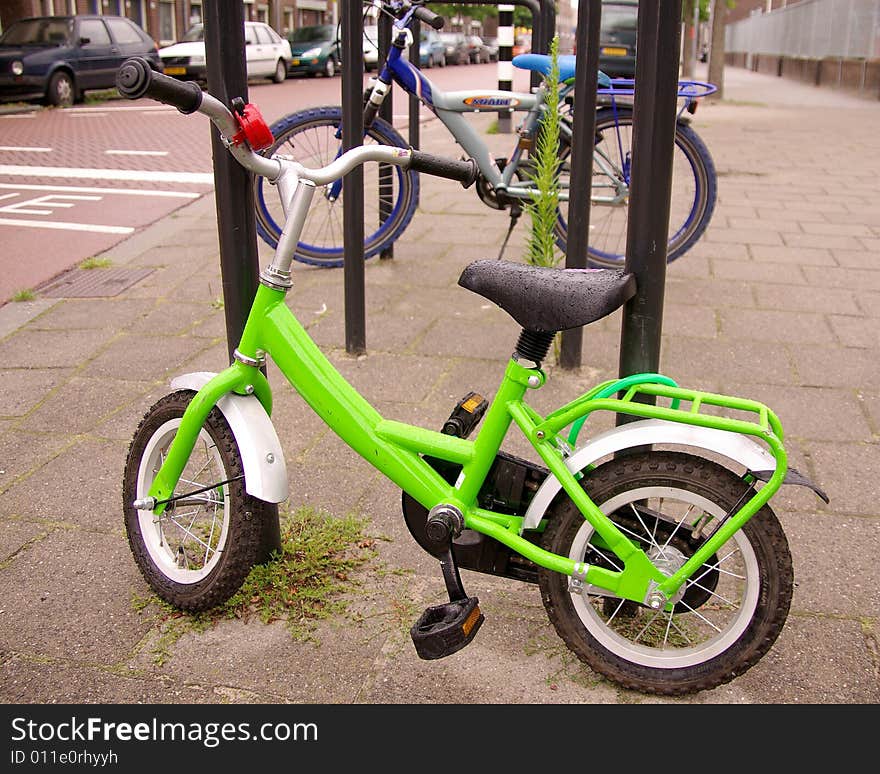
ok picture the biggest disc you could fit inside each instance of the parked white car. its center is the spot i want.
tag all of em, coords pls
(267, 54)
(371, 47)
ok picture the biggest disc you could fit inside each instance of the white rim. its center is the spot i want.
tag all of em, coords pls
(202, 539)
(738, 569)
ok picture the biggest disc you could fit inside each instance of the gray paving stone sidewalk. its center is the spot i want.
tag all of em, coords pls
(779, 301)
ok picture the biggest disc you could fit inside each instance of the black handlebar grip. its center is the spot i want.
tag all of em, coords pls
(135, 78)
(463, 171)
(429, 17)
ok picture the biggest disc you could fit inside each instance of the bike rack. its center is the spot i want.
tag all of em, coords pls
(236, 222)
(586, 82)
(658, 33)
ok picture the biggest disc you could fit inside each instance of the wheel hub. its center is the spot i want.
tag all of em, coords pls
(669, 560)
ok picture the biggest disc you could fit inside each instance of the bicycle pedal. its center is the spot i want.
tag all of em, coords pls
(466, 415)
(445, 629)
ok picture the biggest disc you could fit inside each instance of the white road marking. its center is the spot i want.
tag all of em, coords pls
(86, 189)
(16, 149)
(123, 108)
(60, 226)
(47, 200)
(203, 178)
(133, 153)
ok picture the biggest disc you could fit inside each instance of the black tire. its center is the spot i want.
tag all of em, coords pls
(280, 71)
(310, 137)
(61, 91)
(692, 203)
(199, 552)
(744, 589)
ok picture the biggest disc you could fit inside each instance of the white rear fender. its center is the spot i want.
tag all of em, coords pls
(739, 448)
(265, 472)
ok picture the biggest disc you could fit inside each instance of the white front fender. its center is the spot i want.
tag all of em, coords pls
(265, 472)
(736, 447)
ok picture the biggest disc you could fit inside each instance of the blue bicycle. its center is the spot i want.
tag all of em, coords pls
(313, 137)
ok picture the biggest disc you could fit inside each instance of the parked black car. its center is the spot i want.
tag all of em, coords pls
(457, 50)
(58, 58)
(617, 39)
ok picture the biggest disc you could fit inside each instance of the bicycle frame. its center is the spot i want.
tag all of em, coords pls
(396, 448)
(451, 106)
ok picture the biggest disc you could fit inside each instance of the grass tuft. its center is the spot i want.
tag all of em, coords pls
(302, 584)
(96, 263)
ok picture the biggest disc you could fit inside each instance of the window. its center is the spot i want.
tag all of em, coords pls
(250, 35)
(262, 35)
(167, 33)
(195, 13)
(95, 31)
(123, 31)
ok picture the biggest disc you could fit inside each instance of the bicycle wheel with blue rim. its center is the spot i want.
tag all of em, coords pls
(692, 201)
(313, 137)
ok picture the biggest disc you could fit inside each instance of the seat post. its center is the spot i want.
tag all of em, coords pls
(534, 345)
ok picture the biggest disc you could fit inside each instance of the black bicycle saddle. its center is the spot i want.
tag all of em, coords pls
(545, 299)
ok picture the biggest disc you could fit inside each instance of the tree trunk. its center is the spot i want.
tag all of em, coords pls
(687, 54)
(716, 47)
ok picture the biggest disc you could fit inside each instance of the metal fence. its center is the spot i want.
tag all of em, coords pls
(812, 29)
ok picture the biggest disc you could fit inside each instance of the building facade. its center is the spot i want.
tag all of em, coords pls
(166, 20)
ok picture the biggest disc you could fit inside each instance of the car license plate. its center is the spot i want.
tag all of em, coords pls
(175, 71)
(296, 62)
(614, 51)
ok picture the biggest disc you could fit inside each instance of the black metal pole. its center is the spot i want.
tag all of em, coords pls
(581, 160)
(658, 34)
(353, 184)
(386, 111)
(236, 225)
(414, 104)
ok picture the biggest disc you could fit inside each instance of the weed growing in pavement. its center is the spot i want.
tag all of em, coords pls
(24, 295)
(544, 158)
(301, 584)
(542, 250)
(96, 263)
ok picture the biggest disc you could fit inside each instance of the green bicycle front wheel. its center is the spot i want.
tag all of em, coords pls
(195, 554)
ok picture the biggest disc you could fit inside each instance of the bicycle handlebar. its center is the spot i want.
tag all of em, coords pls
(465, 172)
(429, 17)
(135, 79)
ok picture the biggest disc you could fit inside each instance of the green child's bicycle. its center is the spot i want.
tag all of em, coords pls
(664, 570)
